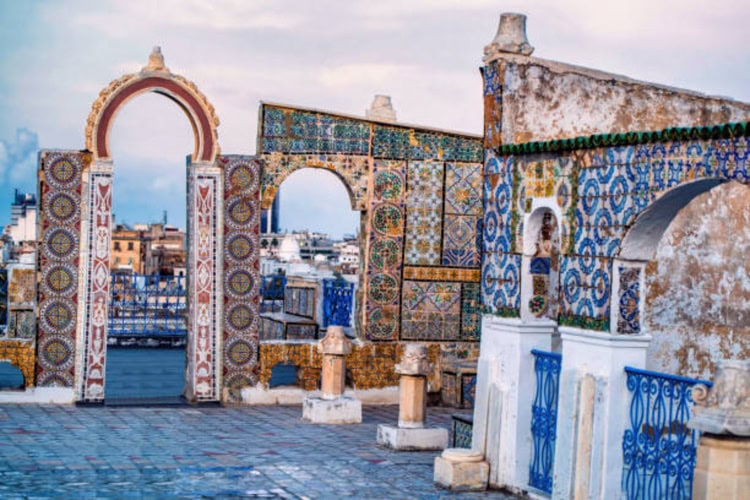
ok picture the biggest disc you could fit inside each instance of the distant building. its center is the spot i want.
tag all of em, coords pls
(20, 234)
(148, 249)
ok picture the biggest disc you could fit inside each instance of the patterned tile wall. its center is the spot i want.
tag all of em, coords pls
(423, 231)
(241, 272)
(601, 192)
(424, 213)
(431, 310)
(60, 225)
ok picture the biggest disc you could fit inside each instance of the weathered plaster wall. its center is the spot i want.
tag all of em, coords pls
(698, 285)
(545, 100)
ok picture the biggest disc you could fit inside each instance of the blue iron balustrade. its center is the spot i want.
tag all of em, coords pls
(337, 302)
(544, 419)
(147, 305)
(659, 450)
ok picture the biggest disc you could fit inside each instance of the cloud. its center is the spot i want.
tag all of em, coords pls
(18, 159)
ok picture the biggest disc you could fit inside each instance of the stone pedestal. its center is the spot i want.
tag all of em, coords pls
(722, 469)
(461, 469)
(722, 413)
(411, 433)
(332, 407)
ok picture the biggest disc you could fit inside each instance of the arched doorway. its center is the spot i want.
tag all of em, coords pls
(76, 233)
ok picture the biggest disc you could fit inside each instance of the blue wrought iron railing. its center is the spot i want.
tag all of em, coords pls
(147, 305)
(3, 299)
(659, 449)
(544, 419)
(337, 302)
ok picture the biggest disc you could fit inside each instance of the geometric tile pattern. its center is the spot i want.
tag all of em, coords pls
(463, 209)
(206, 208)
(629, 320)
(60, 225)
(385, 250)
(601, 191)
(431, 310)
(96, 279)
(424, 213)
(241, 272)
(471, 311)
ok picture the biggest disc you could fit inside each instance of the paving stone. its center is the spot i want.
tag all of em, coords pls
(189, 452)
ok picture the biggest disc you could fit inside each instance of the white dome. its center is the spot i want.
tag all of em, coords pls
(289, 249)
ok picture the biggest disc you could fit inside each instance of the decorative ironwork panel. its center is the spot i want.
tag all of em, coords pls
(242, 281)
(659, 451)
(60, 185)
(463, 426)
(337, 302)
(544, 419)
(147, 305)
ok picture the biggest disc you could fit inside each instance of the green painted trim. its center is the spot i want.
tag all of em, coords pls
(726, 131)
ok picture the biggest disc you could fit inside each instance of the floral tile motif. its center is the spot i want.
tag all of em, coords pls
(463, 188)
(431, 310)
(424, 213)
(471, 311)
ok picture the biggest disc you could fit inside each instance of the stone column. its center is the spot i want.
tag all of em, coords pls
(332, 407)
(722, 414)
(411, 433)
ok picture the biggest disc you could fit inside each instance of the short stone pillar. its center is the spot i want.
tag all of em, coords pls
(411, 434)
(332, 407)
(722, 414)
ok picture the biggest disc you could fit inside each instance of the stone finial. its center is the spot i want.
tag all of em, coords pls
(725, 407)
(156, 61)
(381, 109)
(510, 38)
(335, 342)
(414, 361)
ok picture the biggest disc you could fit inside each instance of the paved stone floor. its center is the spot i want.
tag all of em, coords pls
(202, 452)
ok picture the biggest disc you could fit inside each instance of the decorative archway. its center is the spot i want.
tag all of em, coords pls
(76, 354)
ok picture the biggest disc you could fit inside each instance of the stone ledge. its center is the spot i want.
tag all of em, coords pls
(342, 410)
(398, 438)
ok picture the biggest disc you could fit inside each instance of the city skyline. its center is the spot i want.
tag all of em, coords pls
(56, 57)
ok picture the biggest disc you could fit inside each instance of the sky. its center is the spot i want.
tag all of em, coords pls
(56, 56)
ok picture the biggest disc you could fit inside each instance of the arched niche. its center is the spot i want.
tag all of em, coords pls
(541, 265)
(639, 246)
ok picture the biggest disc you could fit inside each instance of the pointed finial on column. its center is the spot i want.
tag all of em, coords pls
(156, 62)
(510, 38)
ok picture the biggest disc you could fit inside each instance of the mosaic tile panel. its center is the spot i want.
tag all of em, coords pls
(461, 240)
(431, 310)
(442, 274)
(298, 131)
(96, 278)
(204, 214)
(463, 188)
(629, 320)
(471, 311)
(60, 224)
(22, 324)
(385, 250)
(424, 214)
(241, 272)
